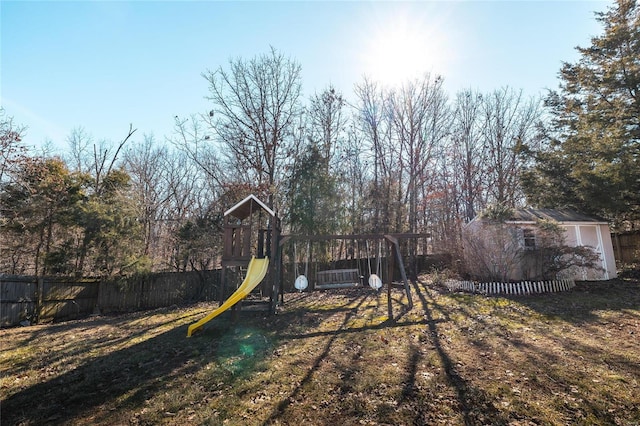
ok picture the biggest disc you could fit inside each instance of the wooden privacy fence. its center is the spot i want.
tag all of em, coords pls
(626, 246)
(522, 287)
(29, 300)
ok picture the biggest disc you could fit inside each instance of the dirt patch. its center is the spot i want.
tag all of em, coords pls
(335, 358)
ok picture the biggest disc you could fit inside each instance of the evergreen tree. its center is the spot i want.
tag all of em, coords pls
(313, 195)
(37, 206)
(112, 239)
(590, 159)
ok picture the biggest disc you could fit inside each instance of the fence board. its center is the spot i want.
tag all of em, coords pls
(66, 298)
(17, 299)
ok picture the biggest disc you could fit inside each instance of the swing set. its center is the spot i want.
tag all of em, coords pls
(387, 259)
(342, 277)
(253, 248)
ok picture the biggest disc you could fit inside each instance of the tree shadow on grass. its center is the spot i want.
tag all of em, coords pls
(475, 405)
(315, 312)
(286, 402)
(563, 353)
(352, 308)
(84, 337)
(122, 379)
(581, 304)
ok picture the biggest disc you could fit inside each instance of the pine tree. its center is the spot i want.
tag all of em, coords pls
(590, 158)
(313, 195)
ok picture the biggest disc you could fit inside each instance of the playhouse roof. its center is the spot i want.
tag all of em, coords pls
(559, 215)
(246, 207)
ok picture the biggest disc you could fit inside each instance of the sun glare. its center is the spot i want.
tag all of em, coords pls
(403, 49)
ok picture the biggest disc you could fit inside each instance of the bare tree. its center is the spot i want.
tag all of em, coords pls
(374, 122)
(468, 154)
(509, 124)
(145, 164)
(420, 124)
(355, 170)
(11, 148)
(80, 147)
(189, 189)
(255, 105)
(327, 122)
(97, 160)
(190, 136)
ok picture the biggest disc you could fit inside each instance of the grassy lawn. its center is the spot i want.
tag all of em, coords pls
(333, 358)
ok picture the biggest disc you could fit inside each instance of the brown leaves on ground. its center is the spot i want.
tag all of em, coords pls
(335, 358)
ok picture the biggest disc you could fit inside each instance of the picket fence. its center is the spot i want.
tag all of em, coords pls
(522, 287)
(27, 300)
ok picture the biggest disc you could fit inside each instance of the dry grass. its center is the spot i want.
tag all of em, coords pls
(334, 358)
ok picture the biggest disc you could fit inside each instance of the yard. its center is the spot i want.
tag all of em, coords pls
(333, 358)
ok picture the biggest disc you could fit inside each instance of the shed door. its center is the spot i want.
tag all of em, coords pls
(588, 235)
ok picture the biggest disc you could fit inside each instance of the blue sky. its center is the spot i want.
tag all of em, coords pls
(104, 64)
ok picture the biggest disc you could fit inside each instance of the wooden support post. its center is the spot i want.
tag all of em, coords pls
(403, 273)
(221, 290)
(276, 258)
(276, 255)
(235, 311)
(389, 279)
(268, 242)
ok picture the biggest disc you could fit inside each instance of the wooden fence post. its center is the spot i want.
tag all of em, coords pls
(96, 309)
(39, 300)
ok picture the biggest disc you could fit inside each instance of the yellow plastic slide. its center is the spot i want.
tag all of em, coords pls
(255, 273)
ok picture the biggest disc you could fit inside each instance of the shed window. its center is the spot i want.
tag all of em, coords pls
(529, 238)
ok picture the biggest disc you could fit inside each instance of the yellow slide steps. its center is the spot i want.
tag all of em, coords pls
(255, 274)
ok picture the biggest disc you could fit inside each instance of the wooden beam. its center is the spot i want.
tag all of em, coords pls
(398, 236)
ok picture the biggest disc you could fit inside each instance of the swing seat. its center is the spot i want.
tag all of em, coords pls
(337, 278)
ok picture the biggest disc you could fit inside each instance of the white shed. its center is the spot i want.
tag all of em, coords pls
(579, 230)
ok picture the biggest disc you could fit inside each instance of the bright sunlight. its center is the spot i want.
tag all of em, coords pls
(404, 49)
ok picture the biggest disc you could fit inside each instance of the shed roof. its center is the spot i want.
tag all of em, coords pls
(246, 207)
(559, 215)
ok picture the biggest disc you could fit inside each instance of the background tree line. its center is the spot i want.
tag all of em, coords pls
(407, 159)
